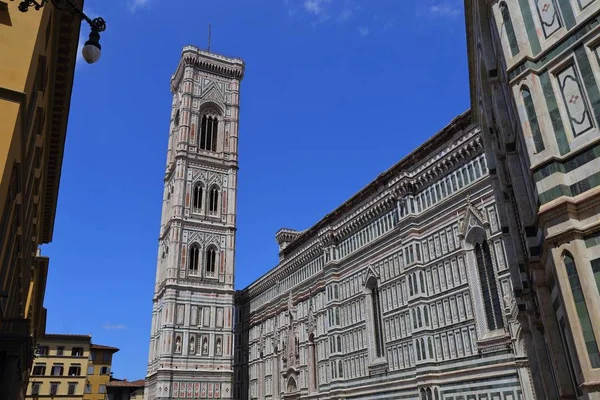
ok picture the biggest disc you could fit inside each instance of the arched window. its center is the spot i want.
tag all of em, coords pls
(410, 285)
(213, 200)
(489, 291)
(418, 349)
(339, 344)
(414, 315)
(423, 351)
(197, 198)
(211, 260)
(419, 317)
(510, 31)
(177, 118)
(194, 258)
(426, 315)
(378, 334)
(208, 133)
(536, 134)
(422, 280)
(582, 310)
(430, 344)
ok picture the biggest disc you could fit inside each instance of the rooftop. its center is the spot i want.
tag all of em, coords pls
(65, 336)
(125, 383)
(103, 347)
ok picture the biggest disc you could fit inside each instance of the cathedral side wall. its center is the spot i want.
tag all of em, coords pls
(407, 295)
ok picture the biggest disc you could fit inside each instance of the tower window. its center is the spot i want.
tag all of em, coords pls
(197, 198)
(213, 200)
(536, 134)
(208, 133)
(194, 258)
(491, 301)
(510, 31)
(582, 311)
(211, 260)
(177, 118)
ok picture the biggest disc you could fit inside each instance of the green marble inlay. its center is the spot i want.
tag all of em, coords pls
(534, 42)
(591, 241)
(577, 188)
(567, 13)
(560, 47)
(555, 118)
(568, 164)
(589, 81)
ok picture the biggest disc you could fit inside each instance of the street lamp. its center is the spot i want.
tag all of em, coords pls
(91, 49)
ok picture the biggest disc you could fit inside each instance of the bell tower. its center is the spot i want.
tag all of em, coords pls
(191, 341)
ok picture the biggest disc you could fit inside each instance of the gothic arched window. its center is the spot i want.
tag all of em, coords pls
(510, 31)
(211, 261)
(582, 310)
(426, 315)
(377, 331)
(194, 258)
(213, 200)
(177, 118)
(410, 284)
(422, 280)
(489, 290)
(418, 349)
(423, 351)
(536, 134)
(197, 198)
(208, 133)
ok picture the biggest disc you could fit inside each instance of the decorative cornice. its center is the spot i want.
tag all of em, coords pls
(62, 64)
(220, 65)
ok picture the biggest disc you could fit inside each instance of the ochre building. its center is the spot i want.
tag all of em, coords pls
(37, 62)
(98, 371)
(60, 368)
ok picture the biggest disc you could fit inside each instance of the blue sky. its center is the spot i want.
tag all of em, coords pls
(335, 92)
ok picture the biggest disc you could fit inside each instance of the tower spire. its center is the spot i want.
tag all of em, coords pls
(209, 38)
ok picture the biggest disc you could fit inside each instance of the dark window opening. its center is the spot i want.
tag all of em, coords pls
(211, 259)
(208, 133)
(197, 198)
(194, 258)
(377, 321)
(489, 291)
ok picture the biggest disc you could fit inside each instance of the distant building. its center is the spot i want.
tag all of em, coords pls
(70, 367)
(98, 371)
(125, 390)
(37, 63)
(60, 368)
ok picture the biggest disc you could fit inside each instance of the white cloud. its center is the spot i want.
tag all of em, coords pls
(316, 7)
(364, 31)
(444, 9)
(79, 61)
(135, 5)
(110, 326)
